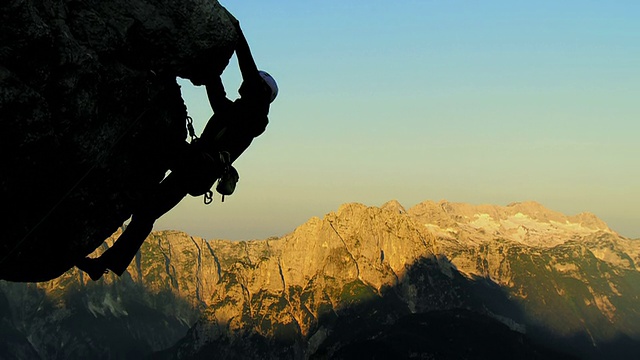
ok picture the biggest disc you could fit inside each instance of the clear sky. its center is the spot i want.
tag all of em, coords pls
(485, 102)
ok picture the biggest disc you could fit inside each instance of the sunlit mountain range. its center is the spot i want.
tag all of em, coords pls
(439, 280)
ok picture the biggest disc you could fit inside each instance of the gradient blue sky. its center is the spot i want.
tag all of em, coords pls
(469, 101)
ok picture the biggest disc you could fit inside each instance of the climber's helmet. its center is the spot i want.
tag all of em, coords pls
(271, 83)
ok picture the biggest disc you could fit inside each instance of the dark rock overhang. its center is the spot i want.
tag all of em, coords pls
(91, 115)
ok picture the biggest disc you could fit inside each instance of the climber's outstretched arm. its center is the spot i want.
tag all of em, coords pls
(248, 66)
(217, 96)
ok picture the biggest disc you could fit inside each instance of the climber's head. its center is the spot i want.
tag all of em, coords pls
(265, 88)
(271, 83)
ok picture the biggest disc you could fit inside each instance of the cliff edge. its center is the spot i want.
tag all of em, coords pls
(91, 115)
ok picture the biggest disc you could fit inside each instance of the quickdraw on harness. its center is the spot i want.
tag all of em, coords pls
(192, 132)
(229, 178)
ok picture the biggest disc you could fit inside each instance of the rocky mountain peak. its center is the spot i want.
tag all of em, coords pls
(536, 211)
(590, 220)
(395, 206)
(528, 223)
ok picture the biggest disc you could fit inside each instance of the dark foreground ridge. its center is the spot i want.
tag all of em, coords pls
(91, 116)
(446, 334)
(129, 319)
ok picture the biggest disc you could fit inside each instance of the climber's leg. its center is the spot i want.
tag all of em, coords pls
(169, 193)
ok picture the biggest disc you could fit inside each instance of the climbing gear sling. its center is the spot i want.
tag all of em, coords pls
(206, 165)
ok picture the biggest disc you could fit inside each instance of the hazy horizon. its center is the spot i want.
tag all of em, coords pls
(483, 103)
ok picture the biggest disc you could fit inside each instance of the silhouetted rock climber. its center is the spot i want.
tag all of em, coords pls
(228, 133)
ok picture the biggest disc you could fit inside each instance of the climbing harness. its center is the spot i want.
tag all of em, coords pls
(229, 177)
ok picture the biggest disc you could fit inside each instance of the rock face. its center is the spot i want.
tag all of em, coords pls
(362, 280)
(564, 281)
(91, 115)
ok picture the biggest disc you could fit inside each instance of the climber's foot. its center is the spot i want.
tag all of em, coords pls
(95, 268)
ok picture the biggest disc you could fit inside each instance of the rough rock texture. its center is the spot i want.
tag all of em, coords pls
(562, 280)
(362, 279)
(90, 115)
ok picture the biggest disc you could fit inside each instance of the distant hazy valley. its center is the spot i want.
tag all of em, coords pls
(439, 280)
